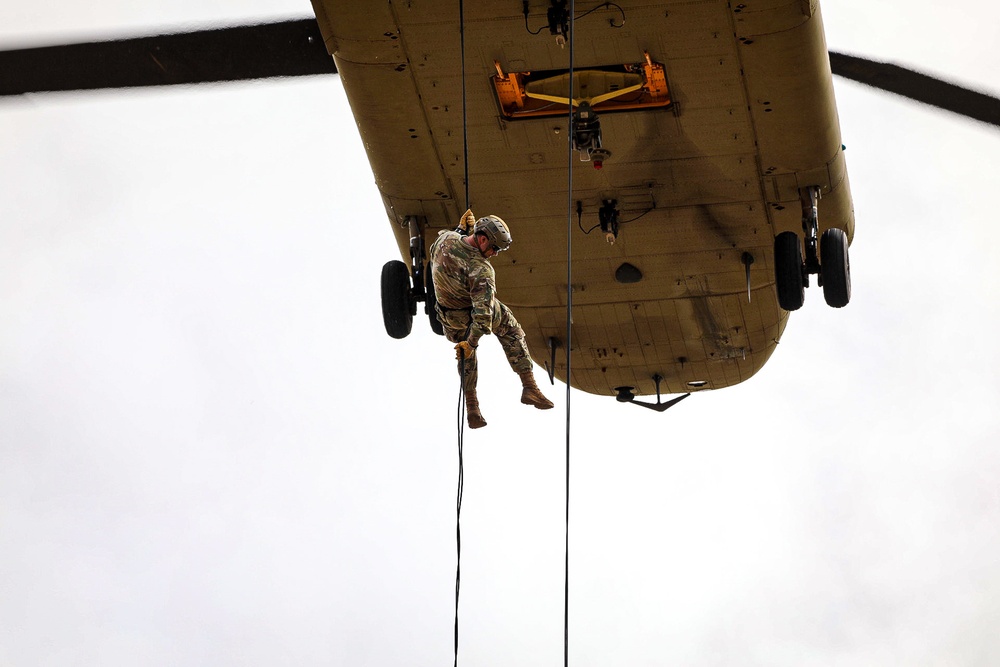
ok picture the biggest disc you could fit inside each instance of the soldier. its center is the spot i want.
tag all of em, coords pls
(465, 288)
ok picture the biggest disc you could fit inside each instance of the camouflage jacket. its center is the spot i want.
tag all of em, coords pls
(464, 279)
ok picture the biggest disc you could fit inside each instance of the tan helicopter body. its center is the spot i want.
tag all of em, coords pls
(716, 131)
(699, 136)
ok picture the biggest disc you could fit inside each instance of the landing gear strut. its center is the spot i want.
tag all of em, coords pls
(826, 256)
(399, 296)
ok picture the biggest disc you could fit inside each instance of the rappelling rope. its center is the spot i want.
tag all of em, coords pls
(461, 482)
(569, 322)
(569, 337)
(461, 368)
(465, 108)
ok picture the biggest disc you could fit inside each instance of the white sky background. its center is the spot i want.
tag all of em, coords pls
(212, 454)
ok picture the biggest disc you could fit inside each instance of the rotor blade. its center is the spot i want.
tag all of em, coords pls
(288, 48)
(917, 86)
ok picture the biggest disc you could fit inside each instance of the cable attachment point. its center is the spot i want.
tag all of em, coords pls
(587, 135)
(608, 215)
(559, 21)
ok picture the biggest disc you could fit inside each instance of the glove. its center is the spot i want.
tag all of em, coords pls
(467, 222)
(464, 350)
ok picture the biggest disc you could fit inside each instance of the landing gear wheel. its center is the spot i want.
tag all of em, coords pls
(398, 306)
(431, 301)
(788, 271)
(835, 267)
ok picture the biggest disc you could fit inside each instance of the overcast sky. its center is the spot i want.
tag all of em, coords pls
(212, 454)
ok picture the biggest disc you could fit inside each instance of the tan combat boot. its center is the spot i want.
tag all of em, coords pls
(531, 395)
(472, 413)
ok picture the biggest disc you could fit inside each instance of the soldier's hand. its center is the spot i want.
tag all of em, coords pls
(468, 221)
(464, 350)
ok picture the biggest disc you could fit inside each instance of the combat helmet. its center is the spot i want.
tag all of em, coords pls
(495, 230)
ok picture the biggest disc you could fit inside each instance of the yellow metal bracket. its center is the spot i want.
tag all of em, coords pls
(615, 88)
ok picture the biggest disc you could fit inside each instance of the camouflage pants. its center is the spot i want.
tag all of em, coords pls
(456, 329)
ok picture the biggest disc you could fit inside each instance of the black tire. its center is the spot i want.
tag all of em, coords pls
(835, 267)
(431, 301)
(788, 279)
(396, 299)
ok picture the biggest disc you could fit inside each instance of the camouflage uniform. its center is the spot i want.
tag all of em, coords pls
(465, 288)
